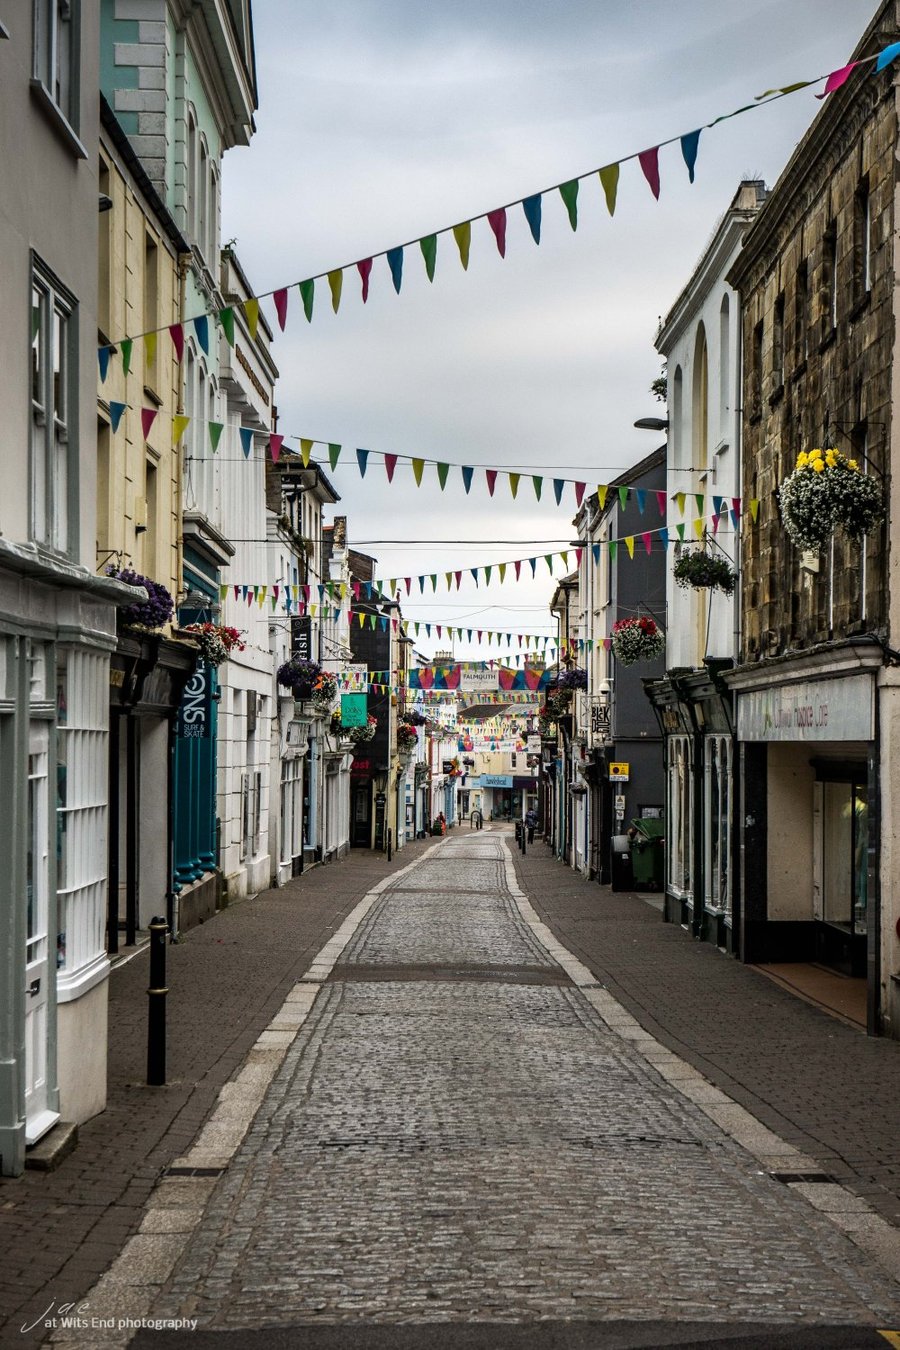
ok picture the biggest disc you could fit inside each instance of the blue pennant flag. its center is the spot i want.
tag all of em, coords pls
(664, 536)
(395, 263)
(467, 476)
(363, 458)
(532, 208)
(115, 415)
(558, 485)
(103, 355)
(595, 549)
(474, 571)
(533, 564)
(247, 440)
(641, 495)
(689, 145)
(201, 327)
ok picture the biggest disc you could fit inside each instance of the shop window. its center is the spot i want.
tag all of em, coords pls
(778, 346)
(681, 823)
(862, 241)
(54, 420)
(830, 316)
(717, 812)
(801, 313)
(844, 855)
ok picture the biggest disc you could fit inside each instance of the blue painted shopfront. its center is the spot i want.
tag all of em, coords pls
(194, 797)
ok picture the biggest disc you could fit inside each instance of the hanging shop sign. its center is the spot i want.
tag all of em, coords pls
(301, 637)
(354, 710)
(496, 780)
(840, 709)
(195, 711)
(619, 771)
(470, 680)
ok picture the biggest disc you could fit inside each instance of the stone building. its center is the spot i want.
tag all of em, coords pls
(816, 691)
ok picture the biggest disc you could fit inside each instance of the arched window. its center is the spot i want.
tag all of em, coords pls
(213, 229)
(201, 236)
(724, 369)
(675, 430)
(700, 403)
(191, 174)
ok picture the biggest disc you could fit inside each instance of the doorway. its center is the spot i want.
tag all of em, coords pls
(841, 872)
(38, 1116)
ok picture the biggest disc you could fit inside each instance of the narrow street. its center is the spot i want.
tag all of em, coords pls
(465, 1130)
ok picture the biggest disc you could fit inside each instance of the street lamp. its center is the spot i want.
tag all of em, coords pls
(652, 424)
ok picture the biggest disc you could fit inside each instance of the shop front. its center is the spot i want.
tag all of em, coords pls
(806, 732)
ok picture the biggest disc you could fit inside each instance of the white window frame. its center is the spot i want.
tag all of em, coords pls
(55, 59)
(54, 413)
(717, 804)
(679, 790)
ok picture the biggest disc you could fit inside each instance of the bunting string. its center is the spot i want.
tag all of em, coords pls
(497, 219)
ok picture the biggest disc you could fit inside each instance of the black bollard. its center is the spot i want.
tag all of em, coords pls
(156, 1020)
(390, 842)
(524, 836)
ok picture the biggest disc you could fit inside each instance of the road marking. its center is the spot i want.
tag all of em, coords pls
(892, 1337)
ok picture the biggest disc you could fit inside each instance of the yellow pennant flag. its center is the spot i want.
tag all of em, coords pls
(336, 282)
(261, 597)
(343, 590)
(754, 509)
(179, 424)
(602, 490)
(251, 309)
(449, 576)
(565, 558)
(463, 236)
(629, 544)
(306, 451)
(150, 347)
(679, 502)
(418, 465)
(699, 526)
(514, 483)
(609, 177)
(362, 619)
(502, 570)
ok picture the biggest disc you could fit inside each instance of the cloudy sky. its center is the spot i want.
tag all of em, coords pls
(381, 120)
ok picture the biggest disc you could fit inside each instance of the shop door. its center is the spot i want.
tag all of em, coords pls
(361, 822)
(38, 1116)
(842, 819)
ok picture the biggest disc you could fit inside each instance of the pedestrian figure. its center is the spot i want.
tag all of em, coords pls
(531, 823)
(477, 818)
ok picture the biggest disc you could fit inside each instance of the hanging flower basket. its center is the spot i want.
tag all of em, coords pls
(826, 491)
(216, 641)
(557, 705)
(413, 718)
(152, 613)
(356, 735)
(636, 640)
(572, 679)
(698, 570)
(407, 738)
(307, 680)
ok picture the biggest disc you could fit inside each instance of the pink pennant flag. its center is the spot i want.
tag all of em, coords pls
(715, 521)
(356, 587)
(306, 592)
(281, 299)
(390, 464)
(497, 222)
(736, 507)
(364, 267)
(578, 553)
(148, 417)
(518, 566)
(458, 576)
(661, 502)
(275, 446)
(491, 476)
(407, 581)
(649, 160)
(177, 334)
(837, 78)
(579, 493)
(438, 627)
(648, 542)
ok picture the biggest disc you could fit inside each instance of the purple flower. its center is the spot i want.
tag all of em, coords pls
(155, 611)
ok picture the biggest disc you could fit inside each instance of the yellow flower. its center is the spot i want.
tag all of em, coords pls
(831, 457)
(818, 466)
(802, 459)
(853, 464)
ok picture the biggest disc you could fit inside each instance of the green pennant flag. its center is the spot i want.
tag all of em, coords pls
(569, 194)
(538, 485)
(442, 471)
(680, 528)
(226, 319)
(487, 574)
(127, 346)
(308, 296)
(428, 245)
(548, 559)
(434, 581)
(623, 497)
(334, 452)
(613, 549)
(609, 177)
(463, 236)
(514, 484)
(215, 434)
(700, 499)
(336, 285)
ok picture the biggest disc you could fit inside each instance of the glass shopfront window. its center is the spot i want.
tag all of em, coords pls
(717, 813)
(845, 837)
(680, 812)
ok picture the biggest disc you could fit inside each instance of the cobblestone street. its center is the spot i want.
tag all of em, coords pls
(466, 1130)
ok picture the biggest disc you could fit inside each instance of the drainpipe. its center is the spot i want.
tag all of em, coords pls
(183, 262)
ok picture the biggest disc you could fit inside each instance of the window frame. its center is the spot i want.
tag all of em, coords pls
(55, 526)
(62, 103)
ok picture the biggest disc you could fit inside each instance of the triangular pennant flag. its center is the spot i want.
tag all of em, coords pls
(474, 571)
(623, 497)
(305, 451)
(754, 504)
(448, 577)
(680, 528)
(548, 559)
(641, 498)
(886, 57)
(390, 464)
(664, 536)
(680, 499)
(736, 507)
(579, 493)
(280, 299)
(362, 457)
(103, 355)
(364, 268)
(201, 328)
(275, 444)
(148, 417)
(246, 434)
(491, 476)
(458, 576)
(176, 332)
(115, 415)
(336, 285)
(699, 527)
(602, 492)
(417, 466)
(251, 310)
(179, 423)
(127, 347)
(609, 178)
(558, 485)
(215, 434)
(569, 193)
(595, 549)
(150, 348)
(462, 233)
(629, 544)
(648, 541)
(442, 471)
(428, 245)
(715, 525)
(661, 502)
(334, 452)
(689, 145)
(434, 581)
(837, 78)
(649, 162)
(226, 319)
(467, 472)
(514, 484)
(518, 568)
(565, 557)
(538, 482)
(532, 563)
(700, 499)
(502, 570)
(613, 549)
(497, 222)
(307, 291)
(532, 208)
(421, 585)
(718, 503)
(395, 263)
(487, 575)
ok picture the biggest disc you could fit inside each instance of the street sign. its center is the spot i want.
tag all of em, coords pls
(619, 771)
(620, 806)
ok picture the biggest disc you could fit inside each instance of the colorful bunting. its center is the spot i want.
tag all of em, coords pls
(463, 236)
(569, 193)
(103, 355)
(689, 144)
(428, 245)
(280, 300)
(649, 162)
(115, 415)
(150, 348)
(467, 473)
(127, 348)
(532, 208)
(179, 425)
(390, 464)
(335, 285)
(246, 441)
(148, 417)
(215, 435)
(362, 457)
(334, 454)
(395, 263)
(201, 328)
(497, 222)
(307, 291)
(609, 178)
(251, 311)
(226, 319)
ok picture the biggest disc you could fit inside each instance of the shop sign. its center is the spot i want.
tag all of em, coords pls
(301, 636)
(533, 745)
(496, 780)
(839, 709)
(619, 772)
(194, 714)
(477, 680)
(354, 710)
(620, 806)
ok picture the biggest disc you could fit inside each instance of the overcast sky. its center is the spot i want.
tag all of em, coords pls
(381, 120)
